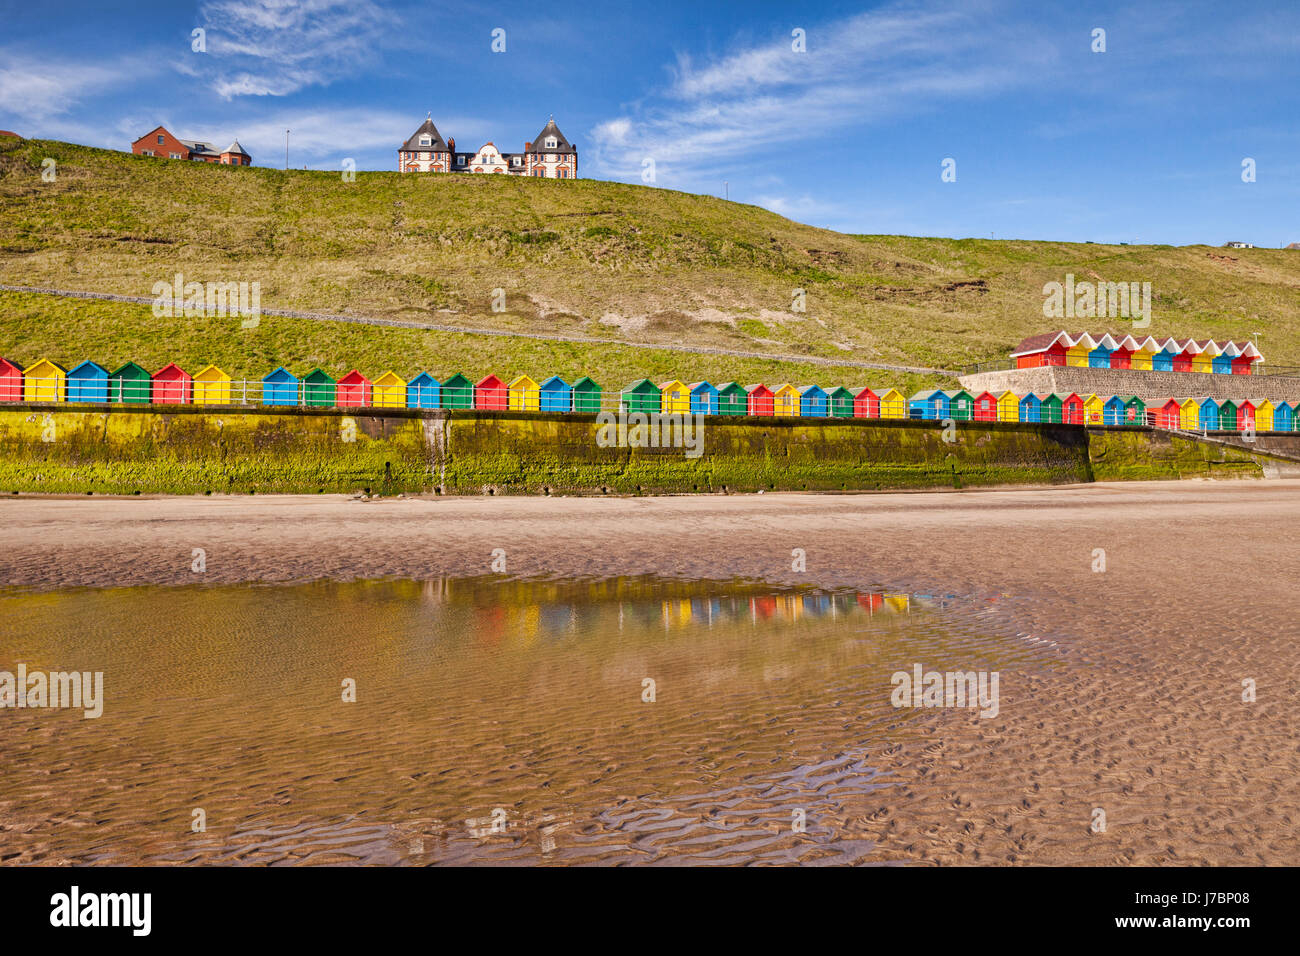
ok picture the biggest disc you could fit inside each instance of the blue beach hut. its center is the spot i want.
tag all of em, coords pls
(1222, 364)
(1284, 417)
(1031, 408)
(922, 405)
(556, 395)
(423, 391)
(280, 388)
(1163, 361)
(1209, 418)
(1100, 356)
(1114, 412)
(704, 399)
(812, 401)
(88, 382)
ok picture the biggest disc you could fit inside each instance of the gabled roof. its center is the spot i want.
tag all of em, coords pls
(280, 374)
(562, 145)
(316, 376)
(487, 381)
(811, 389)
(423, 379)
(89, 366)
(1085, 340)
(1041, 343)
(555, 381)
(436, 141)
(524, 381)
(697, 386)
(858, 392)
(750, 388)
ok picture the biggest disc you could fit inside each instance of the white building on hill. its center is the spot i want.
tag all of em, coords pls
(550, 155)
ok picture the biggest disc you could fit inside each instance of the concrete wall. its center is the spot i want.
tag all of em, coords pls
(1148, 386)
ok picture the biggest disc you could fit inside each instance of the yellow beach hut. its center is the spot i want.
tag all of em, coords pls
(388, 391)
(1264, 416)
(1008, 407)
(675, 398)
(785, 401)
(1189, 414)
(524, 395)
(892, 404)
(44, 382)
(1142, 352)
(1077, 354)
(1203, 360)
(212, 387)
(1094, 410)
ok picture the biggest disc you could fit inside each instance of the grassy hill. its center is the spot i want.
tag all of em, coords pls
(581, 257)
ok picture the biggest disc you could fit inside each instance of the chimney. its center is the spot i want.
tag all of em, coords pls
(451, 144)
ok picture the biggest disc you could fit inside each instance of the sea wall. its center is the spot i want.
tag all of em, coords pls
(61, 449)
(1145, 384)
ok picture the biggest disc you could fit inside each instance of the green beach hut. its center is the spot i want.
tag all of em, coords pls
(456, 392)
(586, 396)
(130, 384)
(961, 405)
(1052, 408)
(840, 402)
(1135, 410)
(733, 399)
(1228, 415)
(641, 396)
(318, 388)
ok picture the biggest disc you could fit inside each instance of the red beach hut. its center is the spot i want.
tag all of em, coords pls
(11, 381)
(352, 391)
(1245, 415)
(866, 403)
(1122, 355)
(491, 393)
(1072, 410)
(986, 407)
(1183, 360)
(761, 401)
(1167, 413)
(172, 385)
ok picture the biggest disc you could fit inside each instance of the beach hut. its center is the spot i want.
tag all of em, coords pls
(986, 407)
(1169, 413)
(1162, 360)
(1052, 408)
(760, 400)
(961, 404)
(812, 401)
(839, 402)
(555, 395)
(1113, 411)
(1077, 354)
(929, 404)
(866, 403)
(1189, 414)
(491, 393)
(1072, 409)
(88, 382)
(586, 396)
(785, 400)
(732, 399)
(1244, 363)
(641, 396)
(1044, 349)
(1209, 415)
(353, 391)
(45, 381)
(1135, 410)
(1203, 357)
(1099, 357)
(1264, 416)
(211, 387)
(456, 392)
(172, 385)
(1122, 355)
(130, 384)
(1142, 353)
(388, 391)
(675, 398)
(1184, 359)
(1008, 407)
(1222, 364)
(422, 391)
(318, 389)
(1094, 407)
(1246, 414)
(892, 404)
(1227, 415)
(11, 381)
(1031, 407)
(280, 387)
(1284, 417)
(704, 399)
(524, 395)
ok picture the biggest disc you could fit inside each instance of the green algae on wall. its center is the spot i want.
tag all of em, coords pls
(1134, 454)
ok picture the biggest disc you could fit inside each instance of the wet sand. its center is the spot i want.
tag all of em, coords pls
(1145, 720)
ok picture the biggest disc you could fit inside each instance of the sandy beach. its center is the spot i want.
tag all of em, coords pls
(1145, 718)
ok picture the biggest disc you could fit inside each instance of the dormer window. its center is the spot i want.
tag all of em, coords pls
(551, 142)
(426, 140)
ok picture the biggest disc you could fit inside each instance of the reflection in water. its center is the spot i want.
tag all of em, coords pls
(625, 720)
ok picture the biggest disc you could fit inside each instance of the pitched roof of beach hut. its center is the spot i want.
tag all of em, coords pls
(354, 378)
(702, 387)
(280, 376)
(211, 373)
(171, 372)
(758, 385)
(89, 369)
(555, 384)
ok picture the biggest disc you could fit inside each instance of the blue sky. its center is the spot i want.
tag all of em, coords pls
(1141, 143)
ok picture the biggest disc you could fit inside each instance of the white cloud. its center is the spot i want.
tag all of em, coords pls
(277, 47)
(37, 90)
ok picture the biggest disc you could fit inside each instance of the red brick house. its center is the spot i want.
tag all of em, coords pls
(159, 142)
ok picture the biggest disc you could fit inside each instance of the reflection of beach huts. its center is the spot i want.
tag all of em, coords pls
(812, 401)
(893, 404)
(88, 382)
(555, 395)
(839, 402)
(389, 391)
(172, 385)
(524, 395)
(871, 603)
(490, 393)
(733, 399)
(675, 398)
(640, 396)
(318, 388)
(760, 400)
(11, 381)
(45, 381)
(280, 387)
(899, 603)
(130, 384)
(866, 403)
(456, 392)
(423, 391)
(353, 391)
(211, 387)
(586, 396)
(704, 399)
(785, 401)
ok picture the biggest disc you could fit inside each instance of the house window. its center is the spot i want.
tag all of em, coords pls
(551, 142)
(160, 139)
(174, 155)
(426, 140)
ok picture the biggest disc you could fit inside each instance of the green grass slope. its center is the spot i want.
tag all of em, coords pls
(574, 257)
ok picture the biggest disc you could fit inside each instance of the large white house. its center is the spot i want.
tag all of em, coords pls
(550, 155)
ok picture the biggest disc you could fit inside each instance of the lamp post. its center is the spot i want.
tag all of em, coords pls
(286, 150)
